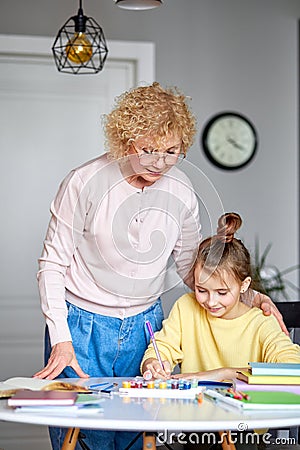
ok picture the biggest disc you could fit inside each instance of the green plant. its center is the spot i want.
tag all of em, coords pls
(268, 279)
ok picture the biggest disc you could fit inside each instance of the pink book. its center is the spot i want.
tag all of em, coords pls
(25, 397)
(242, 386)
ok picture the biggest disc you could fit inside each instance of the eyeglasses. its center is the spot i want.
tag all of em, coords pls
(148, 157)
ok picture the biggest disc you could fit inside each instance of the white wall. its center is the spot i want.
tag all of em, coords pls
(226, 54)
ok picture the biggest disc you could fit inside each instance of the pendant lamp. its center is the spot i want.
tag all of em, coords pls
(80, 46)
(138, 4)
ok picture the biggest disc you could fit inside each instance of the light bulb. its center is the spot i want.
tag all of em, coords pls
(79, 49)
(138, 4)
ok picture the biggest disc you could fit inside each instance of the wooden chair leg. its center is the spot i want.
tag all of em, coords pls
(71, 439)
(149, 441)
(227, 444)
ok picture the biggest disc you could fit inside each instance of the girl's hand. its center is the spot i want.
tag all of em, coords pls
(62, 355)
(152, 366)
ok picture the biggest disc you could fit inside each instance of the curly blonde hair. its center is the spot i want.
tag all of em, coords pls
(150, 112)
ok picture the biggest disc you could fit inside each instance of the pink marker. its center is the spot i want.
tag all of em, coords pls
(149, 326)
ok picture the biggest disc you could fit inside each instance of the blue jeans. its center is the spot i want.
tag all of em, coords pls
(106, 347)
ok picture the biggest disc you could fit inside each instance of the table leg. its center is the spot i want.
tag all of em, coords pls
(227, 444)
(70, 439)
(149, 441)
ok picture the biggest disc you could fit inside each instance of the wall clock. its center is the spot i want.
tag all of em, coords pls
(229, 140)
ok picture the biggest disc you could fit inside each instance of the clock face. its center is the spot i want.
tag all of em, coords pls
(229, 140)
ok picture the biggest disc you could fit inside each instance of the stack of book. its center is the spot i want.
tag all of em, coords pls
(271, 373)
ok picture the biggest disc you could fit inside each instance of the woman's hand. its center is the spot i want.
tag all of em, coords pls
(268, 307)
(153, 367)
(62, 355)
(223, 374)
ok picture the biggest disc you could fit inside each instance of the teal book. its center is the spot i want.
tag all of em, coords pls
(258, 399)
(272, 369)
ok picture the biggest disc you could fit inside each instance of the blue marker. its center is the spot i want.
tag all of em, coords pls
(108, 389)
(93, 386)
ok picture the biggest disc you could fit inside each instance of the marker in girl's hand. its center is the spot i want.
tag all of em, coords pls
(149, 326)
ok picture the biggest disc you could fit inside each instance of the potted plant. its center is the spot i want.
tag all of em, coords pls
(268, 279)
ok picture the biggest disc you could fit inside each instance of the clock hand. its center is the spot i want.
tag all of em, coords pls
(234, 143)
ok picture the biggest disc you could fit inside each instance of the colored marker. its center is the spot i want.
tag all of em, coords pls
(244, 395)
(149, 326)
(220, 384)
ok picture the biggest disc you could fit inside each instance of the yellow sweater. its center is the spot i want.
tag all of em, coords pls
(197, 341)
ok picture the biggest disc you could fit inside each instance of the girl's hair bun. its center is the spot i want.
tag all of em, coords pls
(228, 224)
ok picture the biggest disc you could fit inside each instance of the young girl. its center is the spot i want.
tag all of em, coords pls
(211, 330)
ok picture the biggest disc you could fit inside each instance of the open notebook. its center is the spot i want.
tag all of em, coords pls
(10, 386)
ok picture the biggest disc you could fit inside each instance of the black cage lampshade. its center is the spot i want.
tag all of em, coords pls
(80, 46)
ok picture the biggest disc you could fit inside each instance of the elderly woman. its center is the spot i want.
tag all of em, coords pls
(116, 221)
